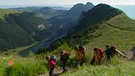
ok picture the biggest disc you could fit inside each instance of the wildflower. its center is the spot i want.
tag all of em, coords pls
(10, 63)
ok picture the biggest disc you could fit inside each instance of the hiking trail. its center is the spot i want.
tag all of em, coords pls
(58, 71)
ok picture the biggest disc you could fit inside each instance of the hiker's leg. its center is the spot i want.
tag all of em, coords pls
(51, 72)
(93, 61)
(77, 62)
(81, 61)
(99, 62)
(64, 65)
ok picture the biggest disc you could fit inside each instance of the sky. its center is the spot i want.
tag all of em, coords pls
(63, 2)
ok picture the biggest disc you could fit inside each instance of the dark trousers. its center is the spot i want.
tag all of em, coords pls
(93, 62)
(51, 72)
(64, 65)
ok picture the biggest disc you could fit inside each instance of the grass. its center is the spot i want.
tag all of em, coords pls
(122, 22)
(114, 35)
(4, 12)
(117, 68)
(17, 51)
(118, 31)
(28, 66)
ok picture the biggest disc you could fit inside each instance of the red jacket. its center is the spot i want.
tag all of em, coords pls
(52, 63)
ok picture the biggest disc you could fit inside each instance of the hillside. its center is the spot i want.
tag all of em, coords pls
(21, 29)
(97, 28)
(117, 31)
(4, 12)
(119, 67)
(38, 28)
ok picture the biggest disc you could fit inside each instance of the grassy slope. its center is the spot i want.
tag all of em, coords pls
(4, 12)
(118, 31)
(23, 66)
(115, 32)
(117, 68)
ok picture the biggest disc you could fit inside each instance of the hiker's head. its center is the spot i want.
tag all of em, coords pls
(95, 49)
(76, 48)
(62, 52)
(107, 46)
(80, 47)
(48, 57)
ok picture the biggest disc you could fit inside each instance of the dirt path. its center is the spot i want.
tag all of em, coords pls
(57, 71)
(129, 54)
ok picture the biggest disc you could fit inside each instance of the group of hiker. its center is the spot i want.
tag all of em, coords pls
(98, 55)
(109, 53)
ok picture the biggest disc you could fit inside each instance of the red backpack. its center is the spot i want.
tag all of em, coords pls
(101, 52)
(113, 48)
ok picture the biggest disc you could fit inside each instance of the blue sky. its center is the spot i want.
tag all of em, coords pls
(64, 2)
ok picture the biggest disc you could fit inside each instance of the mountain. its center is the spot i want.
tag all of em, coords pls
(99, 26)
(36, 27)
(43, 12)
(68, 20)
(48, 12)
(3, 12)
(21, 29)
(26, 9)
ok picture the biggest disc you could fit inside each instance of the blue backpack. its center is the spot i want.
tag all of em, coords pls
(53, 57)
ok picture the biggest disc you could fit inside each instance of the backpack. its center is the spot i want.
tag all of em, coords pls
(53, 57)
(113, 50)
(84, 48)
(65, 56)
(101, 52)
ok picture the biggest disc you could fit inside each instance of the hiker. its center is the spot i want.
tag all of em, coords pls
(98, 55)
(80, 55)
(52, 63)
(64, 56)
(108, 53)
(10, 63)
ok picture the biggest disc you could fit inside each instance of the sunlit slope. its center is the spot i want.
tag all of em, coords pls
(4, 12)
(118, 31)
